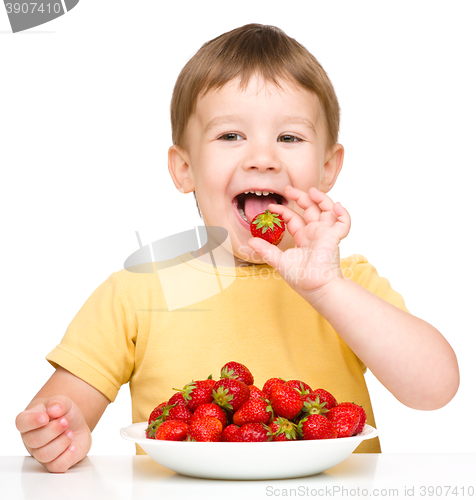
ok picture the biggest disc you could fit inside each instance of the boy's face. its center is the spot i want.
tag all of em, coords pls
(258, 139)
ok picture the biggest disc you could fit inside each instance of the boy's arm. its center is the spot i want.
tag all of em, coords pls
(409, 356)
(56, 426)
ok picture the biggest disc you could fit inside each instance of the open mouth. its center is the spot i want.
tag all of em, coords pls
(251, 203)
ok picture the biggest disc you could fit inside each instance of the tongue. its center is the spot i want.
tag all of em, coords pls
(254, 205)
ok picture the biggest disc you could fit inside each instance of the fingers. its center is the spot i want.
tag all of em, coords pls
(271, 254)
(54, 449)
(63, 462)
(39, 415)
(37, 438)
(304, 201)
(343, 221)
(46, 434)
(32, 419)
(293, 220)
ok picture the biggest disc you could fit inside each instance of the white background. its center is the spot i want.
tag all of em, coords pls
(84, 133)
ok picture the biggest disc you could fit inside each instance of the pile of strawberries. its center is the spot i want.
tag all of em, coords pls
(232, 409)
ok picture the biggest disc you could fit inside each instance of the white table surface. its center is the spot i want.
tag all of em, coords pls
(139, 477)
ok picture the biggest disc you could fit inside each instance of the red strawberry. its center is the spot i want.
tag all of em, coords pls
(205, 429)
(157, 412)
(301, 387)
(197, 393)
(345, 419)
(316, 427)
(177, 412)
(253, 432)
(254, 410)
(269, 227)
(177, 398)
(256, 393)
(286, 401)
(325, 397)
(232, 369)
(282, 429)
(318, 402)
(155, 419)
(210, 410)
(269, 384)
(363, 416)
(230, 393)
(231, 434)
(172, 430)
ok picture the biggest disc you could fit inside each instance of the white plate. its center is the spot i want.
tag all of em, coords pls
(273, 460)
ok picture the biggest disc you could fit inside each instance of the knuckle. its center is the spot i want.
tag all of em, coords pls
(58, 466)
(42, 455)
(33, 439)
(18, 422)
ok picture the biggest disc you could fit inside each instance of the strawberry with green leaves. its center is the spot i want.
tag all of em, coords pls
(232, 369)
(230, 394)
(197, 393)
(282, 429)
(269, 227)
(325, 398)
(318, 402)
(157, 412)
(316, 427)
(302, 388)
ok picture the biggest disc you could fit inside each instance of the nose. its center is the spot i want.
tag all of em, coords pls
(262, 158)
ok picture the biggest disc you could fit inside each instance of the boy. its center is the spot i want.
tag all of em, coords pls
(255, 122)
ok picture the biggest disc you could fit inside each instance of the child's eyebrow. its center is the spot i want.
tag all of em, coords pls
(299, 120)
(220, 120)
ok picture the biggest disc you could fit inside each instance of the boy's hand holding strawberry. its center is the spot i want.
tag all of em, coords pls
(387, 339)
(315, 261)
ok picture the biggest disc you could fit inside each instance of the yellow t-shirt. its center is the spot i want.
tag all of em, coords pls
(126, 332)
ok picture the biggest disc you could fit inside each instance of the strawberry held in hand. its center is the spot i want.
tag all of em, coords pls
(269, 227)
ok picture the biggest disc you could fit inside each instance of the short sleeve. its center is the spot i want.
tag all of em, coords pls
(99, 344)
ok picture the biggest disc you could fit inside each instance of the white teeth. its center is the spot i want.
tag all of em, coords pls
(242, 213)
(259, 193)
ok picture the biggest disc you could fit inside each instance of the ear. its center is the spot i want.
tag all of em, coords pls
(333, 162)
(180, 169)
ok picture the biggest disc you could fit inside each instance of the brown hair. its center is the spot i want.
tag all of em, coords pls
(243, 52)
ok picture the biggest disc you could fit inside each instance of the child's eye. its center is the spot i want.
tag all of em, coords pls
(232, 136)
(289, 138)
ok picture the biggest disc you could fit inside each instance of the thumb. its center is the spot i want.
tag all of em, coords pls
(57, 406)
(271, 254)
